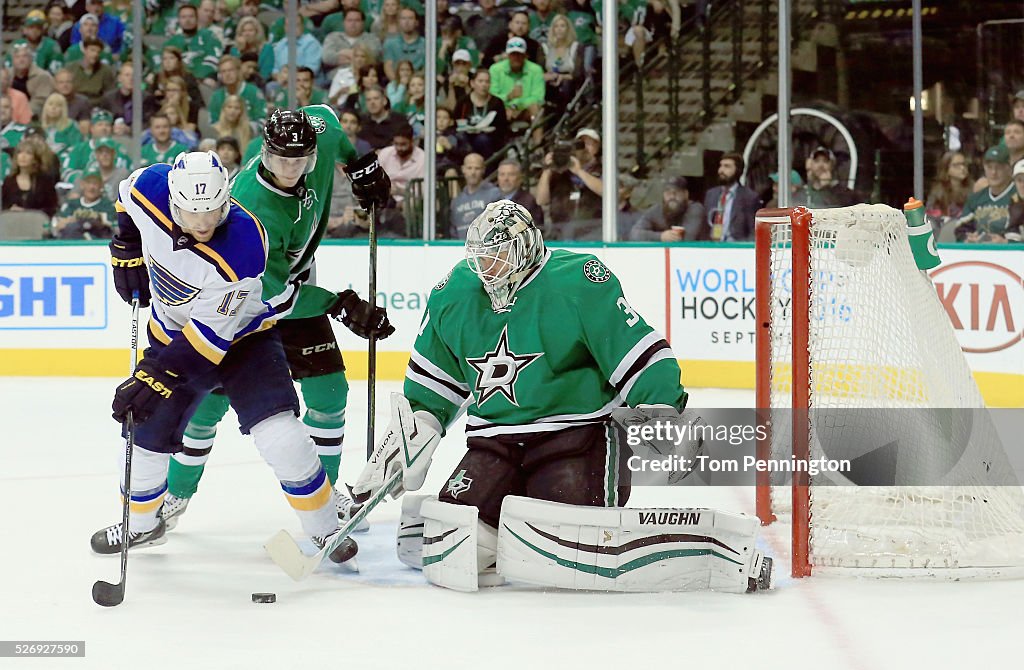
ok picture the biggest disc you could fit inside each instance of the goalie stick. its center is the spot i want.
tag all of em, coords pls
(286, 553)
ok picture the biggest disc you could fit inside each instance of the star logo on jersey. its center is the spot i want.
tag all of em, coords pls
(499, 370)
(460, 483)
(596, 272)
(319, 125)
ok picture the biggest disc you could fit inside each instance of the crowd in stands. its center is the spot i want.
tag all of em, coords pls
(213, 70)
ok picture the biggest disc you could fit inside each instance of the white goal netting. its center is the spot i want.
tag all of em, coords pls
(885, 367)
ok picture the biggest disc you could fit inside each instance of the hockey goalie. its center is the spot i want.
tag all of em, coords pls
(543, 345)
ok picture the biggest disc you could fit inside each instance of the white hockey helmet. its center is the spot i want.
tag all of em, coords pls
(199, 184)
(503, 245)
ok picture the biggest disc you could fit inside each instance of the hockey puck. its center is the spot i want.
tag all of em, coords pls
(346, 551)
(264, 597)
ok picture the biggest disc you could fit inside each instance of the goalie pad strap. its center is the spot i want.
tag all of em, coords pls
(623, 549)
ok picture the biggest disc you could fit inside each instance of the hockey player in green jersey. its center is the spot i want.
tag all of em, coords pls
(289, 188)
(543, 346)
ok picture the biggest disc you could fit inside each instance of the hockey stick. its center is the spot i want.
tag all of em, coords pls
(105, 593)
(289, 557)
(371, 362)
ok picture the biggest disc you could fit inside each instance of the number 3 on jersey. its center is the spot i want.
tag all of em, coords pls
(632, 318)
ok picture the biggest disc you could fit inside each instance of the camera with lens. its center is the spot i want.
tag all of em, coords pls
(561, 154)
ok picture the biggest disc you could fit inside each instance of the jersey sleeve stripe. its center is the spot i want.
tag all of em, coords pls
(434, 386)
(629, 361)
(118, 207)
(152, 209)
(158, 332)
(662, 354)
(260, 323)
(206, 349)
(222, 265)
(427, 367)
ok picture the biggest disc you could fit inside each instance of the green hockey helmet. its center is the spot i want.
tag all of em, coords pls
(503, 246)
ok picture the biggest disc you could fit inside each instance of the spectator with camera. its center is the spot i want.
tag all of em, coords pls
(473, 199)
(90, 216)
(570, 186)
(519, 83)
(675, 219)
(730, 206)
(986, 213)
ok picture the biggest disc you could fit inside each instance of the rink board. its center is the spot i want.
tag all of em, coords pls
(60, 316)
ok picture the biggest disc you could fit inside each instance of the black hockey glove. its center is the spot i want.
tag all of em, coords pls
(142, 393)
(370, 184)
(130, 272)
(358, 317)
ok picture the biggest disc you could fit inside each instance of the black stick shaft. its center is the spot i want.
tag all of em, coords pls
(371, 362)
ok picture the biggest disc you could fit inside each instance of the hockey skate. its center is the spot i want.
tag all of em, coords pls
(346, 508)
(345, 551)
(108, 540)
(172, 508)
(763, 582)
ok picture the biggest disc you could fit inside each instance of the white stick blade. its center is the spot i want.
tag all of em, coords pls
(286, 554)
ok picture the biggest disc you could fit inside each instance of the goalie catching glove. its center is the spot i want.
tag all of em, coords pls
(360, 318)
(408, 445)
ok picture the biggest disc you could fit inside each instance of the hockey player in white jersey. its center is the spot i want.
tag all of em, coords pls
(208, 328)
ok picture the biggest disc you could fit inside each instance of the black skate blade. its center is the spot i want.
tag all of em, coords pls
(107, 594)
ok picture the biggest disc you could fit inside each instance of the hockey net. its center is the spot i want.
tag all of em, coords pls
(853, 341)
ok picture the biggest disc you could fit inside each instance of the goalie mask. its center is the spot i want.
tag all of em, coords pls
(289, 146)
(502, 247)
(200, 193)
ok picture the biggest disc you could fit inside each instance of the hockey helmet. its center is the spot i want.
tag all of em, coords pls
(289, 145)
(200, 192)
(503, 245)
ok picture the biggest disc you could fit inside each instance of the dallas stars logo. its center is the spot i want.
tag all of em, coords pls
(498, 371)
(459, 484)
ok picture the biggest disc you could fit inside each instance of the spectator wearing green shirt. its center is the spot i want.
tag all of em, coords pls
(90, 29)
(200, 49)
(408, 45)
(451, 41)
(231, 83)
(48, 53)
(251, 43)
(305, 93)
(986, 212)
(62, 134)
(162, 148)
(91, 216)
(518, 83)
(540, 19)
(92, 78)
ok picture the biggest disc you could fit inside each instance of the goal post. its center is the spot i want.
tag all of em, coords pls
(852, 342)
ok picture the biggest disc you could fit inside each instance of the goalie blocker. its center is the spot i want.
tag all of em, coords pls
(593, 548)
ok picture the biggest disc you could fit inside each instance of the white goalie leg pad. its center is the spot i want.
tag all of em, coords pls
(622, 549)
(450, 535)
(409, 543)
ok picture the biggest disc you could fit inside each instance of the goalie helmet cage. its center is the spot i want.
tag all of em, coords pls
(846, 322)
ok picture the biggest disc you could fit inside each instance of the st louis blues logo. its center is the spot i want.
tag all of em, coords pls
(499, 370)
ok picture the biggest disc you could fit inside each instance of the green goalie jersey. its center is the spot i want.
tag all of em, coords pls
(295, 220)
(568, 352)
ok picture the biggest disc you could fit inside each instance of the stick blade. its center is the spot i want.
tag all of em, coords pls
(286, 554)
(107, 594)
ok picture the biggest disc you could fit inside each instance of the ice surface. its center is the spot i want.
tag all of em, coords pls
(188, 601)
